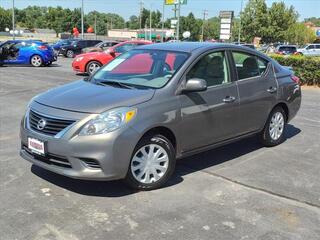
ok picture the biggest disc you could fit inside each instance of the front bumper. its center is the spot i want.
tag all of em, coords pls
(78, 67)
(100, 157)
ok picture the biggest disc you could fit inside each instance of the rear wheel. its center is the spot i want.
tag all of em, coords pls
(92, 67)
(274, 130)
(152, 163)
(36, 61)
(70, 54)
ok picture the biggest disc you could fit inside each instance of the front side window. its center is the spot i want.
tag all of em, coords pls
(213, 68)
(141, 68)
(310, 47)
(317, 46)
(249, 66)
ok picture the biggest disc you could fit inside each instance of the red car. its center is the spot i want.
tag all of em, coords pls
(92, 61)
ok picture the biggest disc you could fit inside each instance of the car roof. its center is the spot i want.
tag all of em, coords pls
(287, 46)
(189, 47)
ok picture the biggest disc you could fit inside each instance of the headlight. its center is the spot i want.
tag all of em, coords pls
(108, 121)
(79, 59)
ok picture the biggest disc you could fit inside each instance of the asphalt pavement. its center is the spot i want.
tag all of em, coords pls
(240, 191)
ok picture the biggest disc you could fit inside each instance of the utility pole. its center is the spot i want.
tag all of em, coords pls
(205, 14)
(13, 22)
(151, 23)
(140, 17)
(240, 24)
(95, 25)
(82, 19)
(178, 23)
(162, 34)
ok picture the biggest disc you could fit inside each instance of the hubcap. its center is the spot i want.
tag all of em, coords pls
(36, 61)
(70, 54)
(149, 164)
(93, 67)
(276, 126)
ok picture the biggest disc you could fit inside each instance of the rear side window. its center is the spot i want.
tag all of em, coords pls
(248, 65)
(310, 47)
(287, 49)
(317, 46)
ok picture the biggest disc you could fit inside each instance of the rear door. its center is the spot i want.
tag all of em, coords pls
(317, 48)
(257, 89)
(209, 117)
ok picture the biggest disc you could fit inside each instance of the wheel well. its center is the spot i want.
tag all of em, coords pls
(165, 132)
(91, 62)
(285, 108)
(35, 55)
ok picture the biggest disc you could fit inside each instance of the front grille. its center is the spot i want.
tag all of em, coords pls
(52, 126)
(50, 159)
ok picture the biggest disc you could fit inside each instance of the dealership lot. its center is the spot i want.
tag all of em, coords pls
(240, 191)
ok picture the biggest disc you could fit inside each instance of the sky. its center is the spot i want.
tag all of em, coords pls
(126, 8)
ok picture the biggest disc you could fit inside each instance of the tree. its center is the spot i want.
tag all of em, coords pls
(134, 22)
(5, 19)
(280, 19)
(314, 20)
(299, 34)
(191, 24)
(212, 28)
(254, 20)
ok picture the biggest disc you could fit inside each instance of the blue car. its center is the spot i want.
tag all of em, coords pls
(31, 52)
(57, 46)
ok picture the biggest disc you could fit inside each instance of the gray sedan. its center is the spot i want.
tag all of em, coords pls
(150, 106)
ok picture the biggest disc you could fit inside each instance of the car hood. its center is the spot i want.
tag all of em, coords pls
(86, 97)
(91, 54)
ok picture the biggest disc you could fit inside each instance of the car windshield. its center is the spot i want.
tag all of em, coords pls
(141, 68)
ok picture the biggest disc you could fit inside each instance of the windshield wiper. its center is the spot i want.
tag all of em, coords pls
(113, 83)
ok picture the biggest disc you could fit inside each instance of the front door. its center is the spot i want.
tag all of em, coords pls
(209, 117)
(257, 89)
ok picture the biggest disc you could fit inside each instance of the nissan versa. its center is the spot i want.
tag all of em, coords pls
(152, 105)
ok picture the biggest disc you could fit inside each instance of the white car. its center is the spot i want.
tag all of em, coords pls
(310, 50)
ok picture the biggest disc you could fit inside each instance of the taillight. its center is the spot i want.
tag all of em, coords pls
(42, 47)
(295, 79)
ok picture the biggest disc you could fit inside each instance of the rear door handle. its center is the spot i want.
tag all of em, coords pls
(229, 99)
(272, 89)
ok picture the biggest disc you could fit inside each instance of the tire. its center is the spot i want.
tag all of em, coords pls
(36, 61)
(70, 54)
(156, 173)
(274, 131)
(92, 67)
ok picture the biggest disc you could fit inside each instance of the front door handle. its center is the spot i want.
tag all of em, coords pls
(272, 89)
(229, 99)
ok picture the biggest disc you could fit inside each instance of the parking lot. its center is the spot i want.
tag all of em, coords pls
(240, 191)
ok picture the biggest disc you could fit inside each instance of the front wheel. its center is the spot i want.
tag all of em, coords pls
(36, 61)
(274, 130)
(152, 163)
(92, 67)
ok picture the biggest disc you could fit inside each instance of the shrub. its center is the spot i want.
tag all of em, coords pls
(306, 68)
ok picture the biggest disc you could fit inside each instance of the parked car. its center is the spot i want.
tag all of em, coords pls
(62, 42)
(76, 47)
(100, 47)
(31, 52)
(310, 50)
(286, 49)
(91, 62)
(135, 116)
(249, 45)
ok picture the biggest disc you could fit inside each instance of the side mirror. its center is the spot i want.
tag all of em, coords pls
(111, 51)
(195, 85)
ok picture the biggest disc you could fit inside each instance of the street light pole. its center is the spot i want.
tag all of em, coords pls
(151, 22)
(82, 24)
(178, 23)
(13, 22)
(162, 34)
(240, 24)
